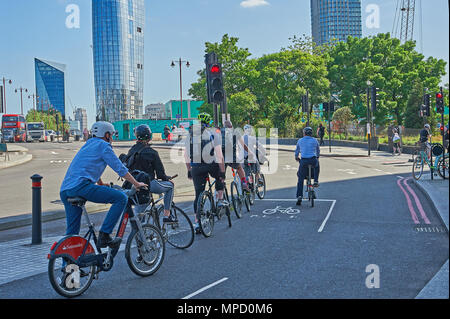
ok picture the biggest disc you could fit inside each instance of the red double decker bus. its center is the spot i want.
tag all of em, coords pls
(14, 128)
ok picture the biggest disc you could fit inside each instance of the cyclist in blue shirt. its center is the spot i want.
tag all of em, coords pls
(309, 149)
(83, 179)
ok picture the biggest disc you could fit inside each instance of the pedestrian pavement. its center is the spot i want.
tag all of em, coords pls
(437, 191)
(17, 155)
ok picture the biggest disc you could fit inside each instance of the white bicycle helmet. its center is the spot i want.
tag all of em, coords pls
(99, 129)
(248, 129)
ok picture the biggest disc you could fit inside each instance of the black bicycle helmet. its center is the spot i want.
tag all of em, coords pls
(143, 132)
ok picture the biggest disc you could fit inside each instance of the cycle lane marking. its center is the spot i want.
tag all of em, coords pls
(408, 201)
(322, 226)
(205, 288)
(417, 201)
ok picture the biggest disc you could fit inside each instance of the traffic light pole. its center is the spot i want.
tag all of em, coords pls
(368, 119)
(329, 126)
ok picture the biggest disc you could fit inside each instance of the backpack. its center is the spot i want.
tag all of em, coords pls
(143, 195)
(196, 150)
(129, 160)
(228, 138)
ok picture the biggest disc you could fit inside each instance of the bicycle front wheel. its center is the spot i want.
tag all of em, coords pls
(145, 261)
(181, 233)
(205, 213)
(417, 168)
(443, 167)
(67, 278)
(236, 200)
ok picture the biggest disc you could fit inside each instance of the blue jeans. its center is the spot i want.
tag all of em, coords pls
(161, 187)
(303, 172)
(96, 194)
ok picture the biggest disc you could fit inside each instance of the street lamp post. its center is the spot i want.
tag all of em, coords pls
(21, 89)
(33, 96)
(180, 62)
(4, 92)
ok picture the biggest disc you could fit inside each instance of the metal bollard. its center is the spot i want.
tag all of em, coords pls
(36, 233)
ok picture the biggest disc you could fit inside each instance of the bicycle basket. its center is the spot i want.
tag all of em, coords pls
(437, 149)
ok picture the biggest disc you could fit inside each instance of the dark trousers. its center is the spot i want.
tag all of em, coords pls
(321, 140)
(199, 175)
(303, 172)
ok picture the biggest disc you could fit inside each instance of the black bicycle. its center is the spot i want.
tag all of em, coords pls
(207, 209)
(310, 187)
(179, 234)
(257, 187)
(74, 262)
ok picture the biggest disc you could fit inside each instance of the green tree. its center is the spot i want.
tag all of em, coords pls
(342, 118)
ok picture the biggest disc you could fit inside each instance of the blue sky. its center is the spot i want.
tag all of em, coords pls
(174, 28)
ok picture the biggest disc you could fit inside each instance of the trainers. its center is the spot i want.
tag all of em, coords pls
(105, 240)
(245, 187)
(299, 201)
(316, 184)
(222, 203)
(169, 219)
(197, 228)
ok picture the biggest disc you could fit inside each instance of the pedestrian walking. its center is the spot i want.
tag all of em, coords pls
(397, 141)
(321, 133)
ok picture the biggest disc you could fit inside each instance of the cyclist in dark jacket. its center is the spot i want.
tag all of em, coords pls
(148, 161)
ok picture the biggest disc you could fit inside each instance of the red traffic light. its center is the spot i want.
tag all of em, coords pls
(439, 96)
(215, 69)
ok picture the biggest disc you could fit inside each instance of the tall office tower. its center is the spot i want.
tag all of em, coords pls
(81, 116)
(335, 20)
(118, 45)
(50, 86)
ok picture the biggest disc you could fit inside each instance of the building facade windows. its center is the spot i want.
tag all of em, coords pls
(118, 39)
(50, 86)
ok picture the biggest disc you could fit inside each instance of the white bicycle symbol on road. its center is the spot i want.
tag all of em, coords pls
(279, 209)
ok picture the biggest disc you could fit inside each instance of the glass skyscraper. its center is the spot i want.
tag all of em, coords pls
(118, 47)
(335, 20)
(50, 86)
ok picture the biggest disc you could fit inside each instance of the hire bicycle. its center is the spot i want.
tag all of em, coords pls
(441, 162)
(207, 210)
(75, 261)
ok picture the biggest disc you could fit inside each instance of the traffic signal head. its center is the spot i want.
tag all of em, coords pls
(305, 104)
(374, 98)
(426, 111)
(214, 79)
(442, 130)
(439, 102)
(325, 107)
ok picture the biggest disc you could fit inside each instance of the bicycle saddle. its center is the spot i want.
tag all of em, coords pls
(77, 201)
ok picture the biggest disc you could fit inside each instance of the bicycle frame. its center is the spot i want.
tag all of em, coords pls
(69, 246)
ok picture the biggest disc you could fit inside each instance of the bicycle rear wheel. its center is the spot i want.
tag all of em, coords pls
(205, 213)
(261, 189)
(443, 166)
(67, 278)
(141, 261)
(417, 168)
(180, 234)
(236, 200)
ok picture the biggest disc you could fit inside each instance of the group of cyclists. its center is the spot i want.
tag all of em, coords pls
(208, 151)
